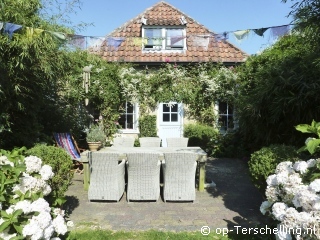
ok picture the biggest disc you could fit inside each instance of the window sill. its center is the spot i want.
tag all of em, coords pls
(128, 131)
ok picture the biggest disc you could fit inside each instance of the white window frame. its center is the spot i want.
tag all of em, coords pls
(135, 114)
(229, 115)
(163, 47)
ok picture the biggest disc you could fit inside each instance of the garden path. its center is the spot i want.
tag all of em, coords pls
(233, 202)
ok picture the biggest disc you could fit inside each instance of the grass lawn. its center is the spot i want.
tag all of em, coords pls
(87, 234)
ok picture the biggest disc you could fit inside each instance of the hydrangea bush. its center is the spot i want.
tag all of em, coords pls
(25, 214)
(293, 200)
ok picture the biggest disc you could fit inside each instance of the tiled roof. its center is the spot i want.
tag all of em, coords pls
(163, 13)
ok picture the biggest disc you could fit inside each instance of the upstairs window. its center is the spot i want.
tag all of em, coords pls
(164, 38)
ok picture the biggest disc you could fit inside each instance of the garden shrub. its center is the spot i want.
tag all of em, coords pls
(202, 135)
(148, 126)
(25, 213)
(263, 162)
(61, 164)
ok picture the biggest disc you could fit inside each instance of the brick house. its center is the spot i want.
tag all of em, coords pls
(162, 33)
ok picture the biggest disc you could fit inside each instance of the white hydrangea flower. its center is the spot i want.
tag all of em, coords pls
(46, 172)
(46, 190)
(47, 232)
(300, 166)
(59, 225)
(282, 178)
(32, 229)
(285, 167)
(311, 163)
(5, 161)
(272, 180)
(40, 205)
(33, 164)
(58, 211)
(315, 185)
(282, 233)
(6, 236)
(272, 194)
(24, 205)
(0, 206)
(70, 224)
(265, 206)
(279, 210)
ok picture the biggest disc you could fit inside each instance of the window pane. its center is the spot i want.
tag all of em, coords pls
(130, 121)
(129, 108)
(166, 117)
(174, 117)
(175, 37)
(154, 36)
(122, 121)
(223, 108)
(174, 108)
(166, 108)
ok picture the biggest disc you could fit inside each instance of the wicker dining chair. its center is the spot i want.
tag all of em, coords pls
(150, 141)
(123, 142)
(143, 176)
(177, 142)
(107, 177)
(179, 171)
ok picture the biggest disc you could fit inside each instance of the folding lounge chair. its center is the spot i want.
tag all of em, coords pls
(67, 142)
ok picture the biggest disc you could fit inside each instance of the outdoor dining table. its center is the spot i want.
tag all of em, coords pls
(122, 151)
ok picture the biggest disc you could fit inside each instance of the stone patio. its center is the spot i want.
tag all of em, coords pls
(233, 202)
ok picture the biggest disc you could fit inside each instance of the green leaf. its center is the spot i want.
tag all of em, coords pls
(305, 128)
(4, 225)
(312, 145)
(18, 227)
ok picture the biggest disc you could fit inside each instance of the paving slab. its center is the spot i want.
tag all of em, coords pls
(233, 202)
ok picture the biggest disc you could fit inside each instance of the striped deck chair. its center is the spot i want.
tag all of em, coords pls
(67, 142)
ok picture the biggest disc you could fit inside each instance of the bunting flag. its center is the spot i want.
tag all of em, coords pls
(260, 31)
(138, 41)
(95, 43)
(10, 28)
(240, 35)
(77, 41)
(280, 31)
(113, 43)
(201, 41)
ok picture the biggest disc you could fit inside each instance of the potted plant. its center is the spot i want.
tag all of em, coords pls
(95, 137)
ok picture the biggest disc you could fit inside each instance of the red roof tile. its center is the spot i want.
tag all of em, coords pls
(163, 13)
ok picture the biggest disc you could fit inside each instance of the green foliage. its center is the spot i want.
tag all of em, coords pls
(96, 134)
(202, 136)
(148, 126)
(263, 162)
(230, 145)
(278, 89)
(311, 144)
(61, 164)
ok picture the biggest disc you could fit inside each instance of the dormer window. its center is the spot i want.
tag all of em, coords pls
(164, 38)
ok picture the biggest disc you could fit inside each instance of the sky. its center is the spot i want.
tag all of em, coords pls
(217, 15)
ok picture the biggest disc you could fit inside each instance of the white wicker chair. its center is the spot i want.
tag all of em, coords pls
(179, 171)
(123, 142)
(143, 176)
(177, 142)
(107, 177)
(149, 142)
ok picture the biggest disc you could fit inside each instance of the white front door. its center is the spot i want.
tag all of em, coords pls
(169, 121)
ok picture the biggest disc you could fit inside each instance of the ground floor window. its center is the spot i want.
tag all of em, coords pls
(225, 111)
(129, 117)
